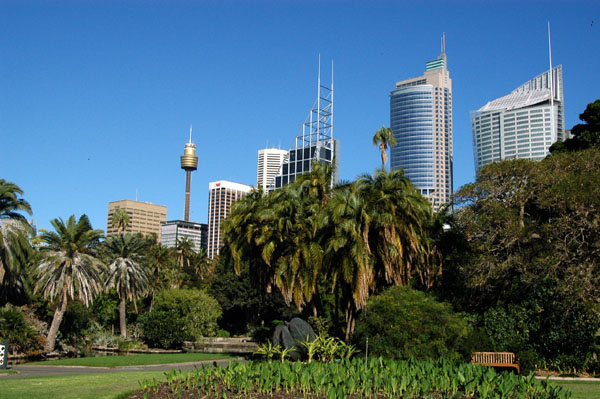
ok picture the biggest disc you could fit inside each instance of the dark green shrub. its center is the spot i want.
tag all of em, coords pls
(197, 310)
(402, 323)
(15, 327)
(76, 320)
(163, 329)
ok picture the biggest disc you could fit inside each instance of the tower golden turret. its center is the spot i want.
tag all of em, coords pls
(189, 163)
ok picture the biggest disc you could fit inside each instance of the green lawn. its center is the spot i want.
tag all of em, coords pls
(133, 360)
(88, 386)
(581, 389)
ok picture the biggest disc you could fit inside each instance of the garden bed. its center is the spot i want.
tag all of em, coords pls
(377, 378)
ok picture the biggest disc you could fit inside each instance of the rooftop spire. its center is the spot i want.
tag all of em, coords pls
(190, 134)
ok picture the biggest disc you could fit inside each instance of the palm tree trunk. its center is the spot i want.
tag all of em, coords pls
(350, 319)
(56, 320)
(122, 320)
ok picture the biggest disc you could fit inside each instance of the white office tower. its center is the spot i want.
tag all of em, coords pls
(221, 194)
(523, 124)
(270, 161)
(174, 230)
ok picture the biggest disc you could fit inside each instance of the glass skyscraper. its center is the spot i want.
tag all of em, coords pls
(523, 124)
(421, 119)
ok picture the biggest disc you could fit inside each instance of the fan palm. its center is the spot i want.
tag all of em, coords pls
(14, 245)
(384, 138)
(127, 273)
(68, 268)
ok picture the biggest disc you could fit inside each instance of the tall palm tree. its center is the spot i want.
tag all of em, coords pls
(384, 138)
(120, 220)
(127, 273)
(397, 233)
(14, 245)
(68, 268)
(350, 261)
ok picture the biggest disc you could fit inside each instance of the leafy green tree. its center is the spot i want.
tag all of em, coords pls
(69, 267)
(127, 273)
(384, 138)
(586, 135)
(196, 308)
(402, 322)
(15, 250)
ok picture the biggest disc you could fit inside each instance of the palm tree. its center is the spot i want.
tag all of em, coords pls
(68, 268)
(385, 138)
(127, 273)
(14, 245)
(397, 235)
(349, 256)
(120, 220)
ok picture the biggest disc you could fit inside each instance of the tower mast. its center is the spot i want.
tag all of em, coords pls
(189, 163)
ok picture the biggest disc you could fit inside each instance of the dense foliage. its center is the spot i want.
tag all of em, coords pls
(531, 260)
(163, 329)
(350, 379)
(198, 310)
(350, 240)
(402, 323)
(15, 326)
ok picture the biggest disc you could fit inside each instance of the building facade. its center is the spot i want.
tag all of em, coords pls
(421, 119)
(221, 195)
(269, 165)
(523, 124)
(175, 230)
(144, 217)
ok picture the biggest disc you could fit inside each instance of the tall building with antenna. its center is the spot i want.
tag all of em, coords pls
(315, 142)
(189, 163)
(523, 124)
(421, 119)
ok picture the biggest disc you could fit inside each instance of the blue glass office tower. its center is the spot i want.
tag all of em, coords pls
(421, 119)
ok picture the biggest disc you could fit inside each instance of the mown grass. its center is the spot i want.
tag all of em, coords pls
(87, 386)
(581, 389)
(133, 360)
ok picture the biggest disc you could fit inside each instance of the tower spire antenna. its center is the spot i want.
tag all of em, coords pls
(189, 163)
(443, 43)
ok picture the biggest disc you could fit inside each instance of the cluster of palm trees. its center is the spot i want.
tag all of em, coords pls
(73, 262)
(352, 239)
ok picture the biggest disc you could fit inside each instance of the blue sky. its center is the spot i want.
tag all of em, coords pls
(96, 97)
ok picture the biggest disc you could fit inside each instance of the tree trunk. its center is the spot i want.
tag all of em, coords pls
(56, 320)
(122, 320)
(350, 319)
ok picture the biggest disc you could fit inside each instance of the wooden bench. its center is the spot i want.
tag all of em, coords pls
(496, 359)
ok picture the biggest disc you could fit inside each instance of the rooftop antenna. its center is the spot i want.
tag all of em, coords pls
(551, 84)
(190, 134)
(136, 192)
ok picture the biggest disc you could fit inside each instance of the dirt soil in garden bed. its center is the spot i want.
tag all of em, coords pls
(165, 392)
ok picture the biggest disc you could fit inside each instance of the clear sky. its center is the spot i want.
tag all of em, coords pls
(96, 97)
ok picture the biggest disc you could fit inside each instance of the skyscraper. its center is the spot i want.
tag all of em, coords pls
(421, 119)
(144, 217)
(189, 163)
(269, 164)
(315, 143)
(522, 124)
(221, 194)
(174, 230)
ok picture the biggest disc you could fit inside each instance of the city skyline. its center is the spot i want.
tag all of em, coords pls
(96, 98)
